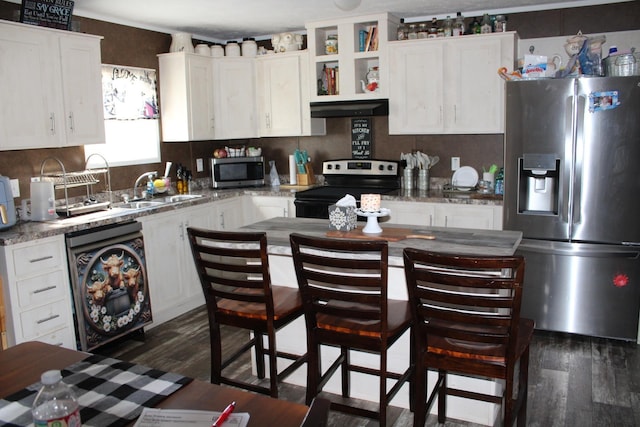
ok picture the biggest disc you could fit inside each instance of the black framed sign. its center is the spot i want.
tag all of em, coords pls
(47, 13)
(361, 138)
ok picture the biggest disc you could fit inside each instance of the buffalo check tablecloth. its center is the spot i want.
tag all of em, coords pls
(110, 392)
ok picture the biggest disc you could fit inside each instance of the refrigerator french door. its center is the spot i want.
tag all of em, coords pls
(571, 184)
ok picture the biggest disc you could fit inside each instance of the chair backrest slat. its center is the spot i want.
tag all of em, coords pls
(471, 299)
(232, 266)
(341, 278)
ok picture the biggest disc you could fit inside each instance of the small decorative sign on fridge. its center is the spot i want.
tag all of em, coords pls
(47, 13)
(361, 138)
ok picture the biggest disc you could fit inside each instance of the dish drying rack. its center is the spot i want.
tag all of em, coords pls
(64, 180)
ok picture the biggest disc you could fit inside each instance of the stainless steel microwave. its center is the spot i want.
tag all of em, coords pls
(233, 172)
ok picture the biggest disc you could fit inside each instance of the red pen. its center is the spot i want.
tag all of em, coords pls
(224, 415)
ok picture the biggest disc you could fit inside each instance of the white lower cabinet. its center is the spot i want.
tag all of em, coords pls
(265, 207)
(229, 214)
(37, 292)
(411, 213)
(483, 217)
(174, 286)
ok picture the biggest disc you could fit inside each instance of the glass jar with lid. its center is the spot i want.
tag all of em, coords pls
(331, 44)
(413, 32)
(423, 31)
(402, 31)
(500, 24)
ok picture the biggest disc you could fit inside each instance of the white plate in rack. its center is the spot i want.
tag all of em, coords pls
(465, 178)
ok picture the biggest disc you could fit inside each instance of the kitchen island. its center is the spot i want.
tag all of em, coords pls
(448, 240)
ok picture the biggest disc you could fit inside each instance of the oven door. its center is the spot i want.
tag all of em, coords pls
(109, 283)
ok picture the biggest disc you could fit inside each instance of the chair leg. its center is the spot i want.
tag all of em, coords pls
(273, 364)
(523, 387)
(313, 371)
(259, 348)
(419, 387)
(442, 397)
(412, 366)
(216, 354)
(346, 384)
(383, 389)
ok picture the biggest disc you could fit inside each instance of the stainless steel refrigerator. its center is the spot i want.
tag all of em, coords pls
(572, 186)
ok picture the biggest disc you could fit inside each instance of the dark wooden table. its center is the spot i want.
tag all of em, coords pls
(23, 364)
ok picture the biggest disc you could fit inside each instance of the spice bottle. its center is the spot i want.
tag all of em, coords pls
(448, 27)
(486, 24)
(458, 26)
(402, 31)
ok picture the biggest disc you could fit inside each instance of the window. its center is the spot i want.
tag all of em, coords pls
(131, 119)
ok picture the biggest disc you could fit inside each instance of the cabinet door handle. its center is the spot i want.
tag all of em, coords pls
(71, 124)
(52, 118)
(430, 220)
(446, 221)
(40, 259)
(48, 288)
(46, 319)
(268, 118)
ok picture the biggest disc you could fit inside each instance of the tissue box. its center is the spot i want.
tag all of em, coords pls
(342, 218)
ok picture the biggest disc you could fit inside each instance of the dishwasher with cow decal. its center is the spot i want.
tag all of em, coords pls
(109, 283)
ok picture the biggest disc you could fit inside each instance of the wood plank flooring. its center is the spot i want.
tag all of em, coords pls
(573, 380)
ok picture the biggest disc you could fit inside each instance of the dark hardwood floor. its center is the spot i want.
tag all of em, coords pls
(573, 380)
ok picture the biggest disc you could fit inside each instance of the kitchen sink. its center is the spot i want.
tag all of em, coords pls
(181, 198)
(144, 204)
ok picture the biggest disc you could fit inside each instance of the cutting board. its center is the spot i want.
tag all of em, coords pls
(388, 234)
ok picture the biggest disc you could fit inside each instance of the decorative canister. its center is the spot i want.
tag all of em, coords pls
(232, 48)
(203, 49)
(181, 42)
(217, 50)
(249, 47)
(331, 45)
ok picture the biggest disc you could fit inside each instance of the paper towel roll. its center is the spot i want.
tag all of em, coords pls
(293, 170)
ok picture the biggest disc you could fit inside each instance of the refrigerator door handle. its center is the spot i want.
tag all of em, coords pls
(565, 186)
(593, 252)
(578, 160)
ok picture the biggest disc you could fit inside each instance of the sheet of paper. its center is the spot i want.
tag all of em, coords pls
(152, 417)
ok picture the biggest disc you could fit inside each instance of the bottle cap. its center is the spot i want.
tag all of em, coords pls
(613, 49)
(50, 377)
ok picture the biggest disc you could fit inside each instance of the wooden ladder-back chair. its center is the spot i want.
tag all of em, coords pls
(466, 313)
(344, 293)
(234, 273)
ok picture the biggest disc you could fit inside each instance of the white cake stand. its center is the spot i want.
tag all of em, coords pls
(372, 226)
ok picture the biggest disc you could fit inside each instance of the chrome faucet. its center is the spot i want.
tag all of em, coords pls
(150, 176)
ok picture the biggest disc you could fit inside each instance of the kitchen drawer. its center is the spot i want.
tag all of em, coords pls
(41, 289)
(31, 260)
(61, 337)
(41, 320)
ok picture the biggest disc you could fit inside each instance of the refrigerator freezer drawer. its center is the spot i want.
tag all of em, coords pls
(580, 288)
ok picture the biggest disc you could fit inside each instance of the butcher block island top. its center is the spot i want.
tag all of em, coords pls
(438, 239)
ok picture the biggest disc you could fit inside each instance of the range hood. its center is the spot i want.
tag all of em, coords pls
(364, 108)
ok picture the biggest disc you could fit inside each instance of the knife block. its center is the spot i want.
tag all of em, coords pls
(307, 178)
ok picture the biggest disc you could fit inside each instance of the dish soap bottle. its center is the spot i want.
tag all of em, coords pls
(55, 403)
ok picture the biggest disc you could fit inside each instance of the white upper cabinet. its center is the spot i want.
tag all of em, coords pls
(50, 87)
(354, 58)
(449, 85)
(235, 106)
(283, 96)
(186, 96)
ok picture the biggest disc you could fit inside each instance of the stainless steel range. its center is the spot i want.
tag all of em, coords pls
(347, 176)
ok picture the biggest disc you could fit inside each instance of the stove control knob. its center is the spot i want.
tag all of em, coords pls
(337, 166)
(390, 167)
(381, 168)
(329, 167)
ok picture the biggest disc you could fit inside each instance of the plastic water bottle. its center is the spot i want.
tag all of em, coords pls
(55, 404)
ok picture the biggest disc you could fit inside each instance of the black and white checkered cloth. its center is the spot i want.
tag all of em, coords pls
(110, 392)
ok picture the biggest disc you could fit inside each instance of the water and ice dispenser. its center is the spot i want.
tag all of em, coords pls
(538, 184)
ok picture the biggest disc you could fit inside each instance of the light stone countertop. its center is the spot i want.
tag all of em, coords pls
(447, 240)
(25, 231)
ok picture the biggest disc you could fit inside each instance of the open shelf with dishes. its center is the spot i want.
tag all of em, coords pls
(348, 54)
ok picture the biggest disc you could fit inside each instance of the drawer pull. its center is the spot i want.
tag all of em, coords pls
(48, 288)
(46, 319)
(41, 259)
